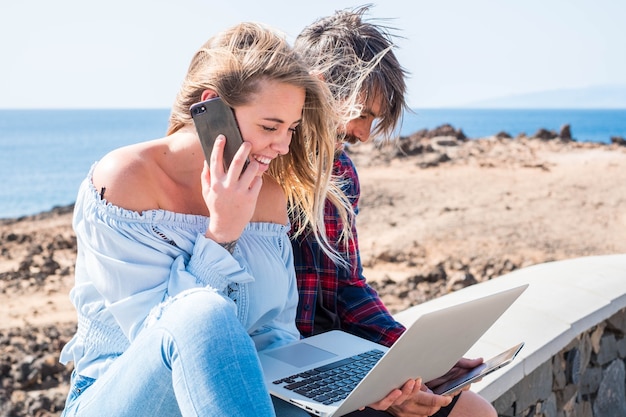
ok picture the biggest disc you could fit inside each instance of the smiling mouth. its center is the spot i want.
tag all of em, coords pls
(262, 159)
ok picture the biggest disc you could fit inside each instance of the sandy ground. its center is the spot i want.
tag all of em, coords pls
(36, 269)
(496, 205)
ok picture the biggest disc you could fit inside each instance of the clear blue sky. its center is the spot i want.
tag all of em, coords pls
(134, 53)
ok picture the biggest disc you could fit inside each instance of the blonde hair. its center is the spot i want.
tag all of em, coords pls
(232, 64)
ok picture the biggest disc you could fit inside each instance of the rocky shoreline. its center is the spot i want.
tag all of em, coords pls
(37, 256)
(439, 212)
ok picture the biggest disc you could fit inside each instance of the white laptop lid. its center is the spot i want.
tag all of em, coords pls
(428, 349)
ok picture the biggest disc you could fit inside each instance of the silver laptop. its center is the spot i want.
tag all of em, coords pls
(335, 373)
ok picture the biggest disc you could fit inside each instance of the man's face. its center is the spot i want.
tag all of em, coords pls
(359, 129)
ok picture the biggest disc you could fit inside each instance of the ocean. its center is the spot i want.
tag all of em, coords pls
(45, 154)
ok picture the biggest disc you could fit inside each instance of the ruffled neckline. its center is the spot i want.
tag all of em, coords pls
(167, 216)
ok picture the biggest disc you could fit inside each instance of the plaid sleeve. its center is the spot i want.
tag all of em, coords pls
(308, 278)
(358, 305)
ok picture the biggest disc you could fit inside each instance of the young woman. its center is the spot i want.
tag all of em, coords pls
(184, 271)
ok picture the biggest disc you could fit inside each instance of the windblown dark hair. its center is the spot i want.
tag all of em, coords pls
(355, 57)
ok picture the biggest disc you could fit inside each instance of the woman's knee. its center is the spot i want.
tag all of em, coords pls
(200, 307)
(201, 315)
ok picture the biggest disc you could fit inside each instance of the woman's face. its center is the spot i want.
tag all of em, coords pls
(268, 121)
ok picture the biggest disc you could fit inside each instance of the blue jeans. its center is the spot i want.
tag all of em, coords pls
(196, 360)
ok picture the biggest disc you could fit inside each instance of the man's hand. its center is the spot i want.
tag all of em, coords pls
(461, 367)
(398, 396)
(413, 399)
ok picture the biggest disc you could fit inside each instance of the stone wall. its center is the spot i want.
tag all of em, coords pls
(587, 378)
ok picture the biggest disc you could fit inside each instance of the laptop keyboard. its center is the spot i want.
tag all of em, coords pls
(332, 382)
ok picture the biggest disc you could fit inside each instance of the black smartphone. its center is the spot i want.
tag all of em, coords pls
(480, 371)
(212, 118)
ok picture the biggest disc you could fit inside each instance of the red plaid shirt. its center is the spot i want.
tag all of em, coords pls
(345, 294)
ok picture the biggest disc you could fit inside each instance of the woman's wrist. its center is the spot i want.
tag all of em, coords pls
(229, 246)
(227, 242)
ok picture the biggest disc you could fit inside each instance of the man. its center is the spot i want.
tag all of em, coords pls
(356, 60)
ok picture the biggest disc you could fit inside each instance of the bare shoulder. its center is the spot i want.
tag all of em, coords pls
(125, 178)
(272, 204)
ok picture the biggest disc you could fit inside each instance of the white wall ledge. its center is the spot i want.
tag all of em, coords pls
(563, 300)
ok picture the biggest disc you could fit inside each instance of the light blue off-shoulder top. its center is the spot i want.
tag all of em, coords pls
(130, 265)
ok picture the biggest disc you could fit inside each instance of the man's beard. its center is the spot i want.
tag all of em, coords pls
(351, 139)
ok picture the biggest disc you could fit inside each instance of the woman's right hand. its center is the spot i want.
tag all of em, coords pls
(231, 195)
